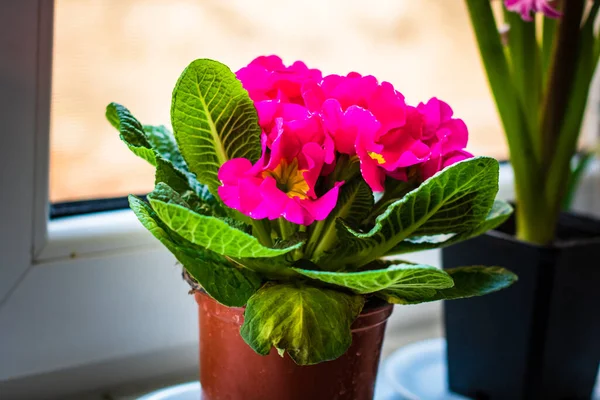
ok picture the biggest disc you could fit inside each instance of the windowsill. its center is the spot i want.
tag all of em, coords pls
(78, 339)
(114, 379)
(95, 235)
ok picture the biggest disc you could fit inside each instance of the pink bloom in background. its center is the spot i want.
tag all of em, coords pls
(526, 7)
(308, 121)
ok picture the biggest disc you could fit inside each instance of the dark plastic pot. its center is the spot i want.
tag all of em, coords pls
(230, 369)
(540, 338)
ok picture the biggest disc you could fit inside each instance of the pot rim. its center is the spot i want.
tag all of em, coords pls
(372, 315)
(567, 219)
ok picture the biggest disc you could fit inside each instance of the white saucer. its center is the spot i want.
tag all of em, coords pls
(191, 391)
(418, 372)
(413, 372)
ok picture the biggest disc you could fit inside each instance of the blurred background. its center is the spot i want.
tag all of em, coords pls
(132, 52)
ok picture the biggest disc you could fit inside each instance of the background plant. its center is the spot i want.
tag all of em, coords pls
(540, 78)
(266, 197)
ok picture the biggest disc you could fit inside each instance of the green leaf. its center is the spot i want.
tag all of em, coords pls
(498, 215)
(157, 145)
(194, 193)
(223, 281)
(131, 131)
(214, 120)
(145, 140)
(311, 324)
(468, 282)
(355, 201)
(454, 200)
(211, 233)
(167, 173)
(163, 142)
(394, 277)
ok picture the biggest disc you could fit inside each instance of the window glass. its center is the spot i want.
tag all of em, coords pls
(132, 52)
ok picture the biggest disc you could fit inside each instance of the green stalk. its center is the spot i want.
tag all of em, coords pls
(548, 34)
(525, 60)
(327, 239)
(563, 116)
(286, 228)
(314, 236)
(522, 155)
(561, 77)
(262, 230)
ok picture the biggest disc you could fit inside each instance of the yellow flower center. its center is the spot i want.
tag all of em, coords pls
(378, 157)
(289, 179)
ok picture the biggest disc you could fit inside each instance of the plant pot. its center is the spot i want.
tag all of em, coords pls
(540, 338)
(230, 369)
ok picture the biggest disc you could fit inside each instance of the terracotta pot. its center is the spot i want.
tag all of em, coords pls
(230, 369)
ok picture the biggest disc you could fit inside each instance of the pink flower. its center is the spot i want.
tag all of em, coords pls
(287, 189)
(369, 120)
(267, 78)
(384, 153)
(283, 182)
(526, 7)
(300, 124)
(446, 136)
(309, 121)
(382, 100)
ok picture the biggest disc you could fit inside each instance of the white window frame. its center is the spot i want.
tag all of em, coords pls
(89, 302)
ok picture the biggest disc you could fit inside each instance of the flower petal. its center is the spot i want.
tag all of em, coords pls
(321, 208)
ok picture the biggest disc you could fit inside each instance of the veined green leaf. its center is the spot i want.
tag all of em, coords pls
(454, 200)
(396, 276)
(145, 140)
(163, 142)
(276, 267)
(468, 282)
(156, 144)
(185, 184)
(355, 201)
(497, 216)
(223, 281)
(214, 120)
(212, 233)
(311, 324)
(131, 131)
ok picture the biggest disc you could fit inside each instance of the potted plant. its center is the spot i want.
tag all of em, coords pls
(280, 191)
(539, 339)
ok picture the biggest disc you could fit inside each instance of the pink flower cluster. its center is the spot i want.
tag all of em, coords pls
(308, 120)
(526, 7)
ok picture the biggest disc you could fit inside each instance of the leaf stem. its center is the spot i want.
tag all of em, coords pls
(314, 237)
(327, 239)
(287, 228)
(262, 230)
